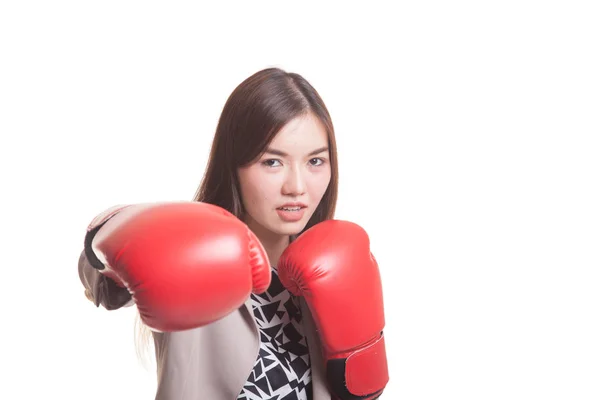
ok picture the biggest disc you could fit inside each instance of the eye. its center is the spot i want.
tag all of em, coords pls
(316, 161)
(271, 163)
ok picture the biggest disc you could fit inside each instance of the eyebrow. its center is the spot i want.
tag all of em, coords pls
(284, 154)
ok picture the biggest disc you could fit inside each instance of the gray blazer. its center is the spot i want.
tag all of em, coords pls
(211, 362)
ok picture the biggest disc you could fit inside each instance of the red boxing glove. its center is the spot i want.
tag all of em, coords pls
(332, 267)
(186, 264)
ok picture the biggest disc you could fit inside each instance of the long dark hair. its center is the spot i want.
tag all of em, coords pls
(253, 114)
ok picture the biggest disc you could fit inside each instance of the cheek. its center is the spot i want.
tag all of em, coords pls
(268, 185)
(259, 190)
(248, 188)
(319, 183)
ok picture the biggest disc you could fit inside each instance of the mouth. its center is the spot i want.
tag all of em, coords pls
(292, 207)
(291, 212)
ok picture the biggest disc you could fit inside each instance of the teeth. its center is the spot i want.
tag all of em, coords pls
(290, 208)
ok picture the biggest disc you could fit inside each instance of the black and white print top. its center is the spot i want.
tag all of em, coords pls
(282, 369)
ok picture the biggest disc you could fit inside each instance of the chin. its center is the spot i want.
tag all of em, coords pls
(289, 228)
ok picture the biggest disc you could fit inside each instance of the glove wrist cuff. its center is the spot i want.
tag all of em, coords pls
(363, 374)
(92, 229)
(367, 370)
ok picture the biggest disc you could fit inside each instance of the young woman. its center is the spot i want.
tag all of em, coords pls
(273, 165)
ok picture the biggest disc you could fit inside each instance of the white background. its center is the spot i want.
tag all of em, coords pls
(468, 141)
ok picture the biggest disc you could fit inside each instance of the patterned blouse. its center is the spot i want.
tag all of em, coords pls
(282, 369)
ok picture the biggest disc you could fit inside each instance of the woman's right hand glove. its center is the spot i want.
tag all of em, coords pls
(186, 264)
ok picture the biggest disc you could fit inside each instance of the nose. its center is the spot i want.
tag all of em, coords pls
(295, 182)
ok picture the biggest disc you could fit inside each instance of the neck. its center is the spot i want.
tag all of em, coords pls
(274, 246)
(273, 243)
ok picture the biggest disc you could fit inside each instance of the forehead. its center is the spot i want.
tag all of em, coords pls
(302, 133)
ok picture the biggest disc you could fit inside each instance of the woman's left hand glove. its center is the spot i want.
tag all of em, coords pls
(332, 267)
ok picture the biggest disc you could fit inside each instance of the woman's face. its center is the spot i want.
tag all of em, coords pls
(282, 188)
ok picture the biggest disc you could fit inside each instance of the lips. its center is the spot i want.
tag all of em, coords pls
(291, 212)
(292, 206)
